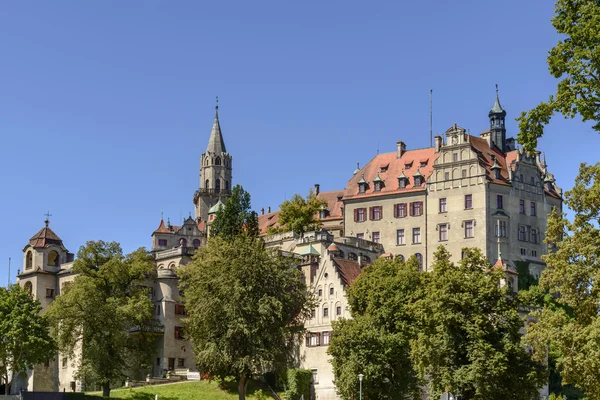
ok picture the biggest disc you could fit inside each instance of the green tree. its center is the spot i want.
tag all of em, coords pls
(569, 326)
(24, 333)
(106, 313)
(376, 341)
(301, 214)
(468, 339)
(246, 308)
(575, 60)
(235, 217)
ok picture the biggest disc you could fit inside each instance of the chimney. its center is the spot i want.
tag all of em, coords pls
(438, 143)
(262, 211)
(488, 137)
(317, 186)
(401, 148)
(269, 209)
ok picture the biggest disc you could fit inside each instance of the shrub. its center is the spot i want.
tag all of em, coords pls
(298, 384)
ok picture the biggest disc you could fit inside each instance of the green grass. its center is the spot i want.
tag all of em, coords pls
(204, 390)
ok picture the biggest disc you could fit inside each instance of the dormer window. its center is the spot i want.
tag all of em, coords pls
(362, 185)
(384, 167)
(496, 169)
(402, 181)
(423, 162)
(408, 165)
(418, 178)
(377, 184)
(323, 213)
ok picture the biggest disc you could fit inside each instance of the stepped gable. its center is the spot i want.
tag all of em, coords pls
(389, 167)
(347, 270)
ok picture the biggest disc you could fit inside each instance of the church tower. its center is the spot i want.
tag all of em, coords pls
(215, 173)
(497, 128)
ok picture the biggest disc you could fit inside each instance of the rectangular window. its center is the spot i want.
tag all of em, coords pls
(331, 291)
(179, 332)
(315, 376)
(418, 181)
(400, 210)
(533, 237)
(402, 183)
(325, 312)
(179, 309)
(468, 201)
(360, 235)
(50, 293)
(523, 251)
(416, 233)
(532, 209)
(464, 173)
(534, 253)
(521, 206)
(312, 339)
(360, 215)
(499, 202)
(400, 237)
(376, 237)
(171, 364)
(443, 208)
(447, 176)
(443, 229)
(500, 229)
(338, 310)
(180, 362)
(376, 213)
(162, 242)
(522, 233)
(157, 309)
(64, 362)
(469, 229)
(158, 361)
(320, 292)
(455, 157)
(416, 208)
(325, 338)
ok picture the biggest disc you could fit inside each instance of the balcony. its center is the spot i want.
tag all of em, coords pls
(224, 192)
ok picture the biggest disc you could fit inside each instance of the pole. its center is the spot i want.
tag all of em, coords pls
(430, 117)
(360, 379)
(360, 390)
(8, 271)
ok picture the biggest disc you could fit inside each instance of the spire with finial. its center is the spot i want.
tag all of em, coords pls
(47, 220)
(216, 145)
(497, 108)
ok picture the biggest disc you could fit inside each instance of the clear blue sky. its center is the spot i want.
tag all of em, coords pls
(106, 106)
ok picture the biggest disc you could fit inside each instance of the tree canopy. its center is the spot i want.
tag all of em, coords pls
(569, 325)
(246, 307)
(236, 217)
(301, 214)
(106, 313)
(24, 333)
(575, 61)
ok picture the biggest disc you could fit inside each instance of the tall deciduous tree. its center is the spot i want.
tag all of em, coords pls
(575, 60)
(301, 214)
(246, 307)
(236, 217)
(105, 316)
(24, 333)
(570, 329)
(376, 341)
(468, 338)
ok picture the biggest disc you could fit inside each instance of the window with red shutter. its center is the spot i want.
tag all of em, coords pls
(356, 215)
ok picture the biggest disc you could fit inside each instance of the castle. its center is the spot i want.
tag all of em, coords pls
(465, 191)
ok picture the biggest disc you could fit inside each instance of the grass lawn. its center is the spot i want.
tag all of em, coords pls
(185, 391)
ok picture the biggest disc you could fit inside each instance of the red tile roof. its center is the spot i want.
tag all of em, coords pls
(395, 167)
(45, 237)
(486, 155)
(505, 267)
(162, 228)
(266, 221)
(348, 270)
(333, 204)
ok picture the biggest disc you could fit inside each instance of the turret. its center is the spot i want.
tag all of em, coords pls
(497, 117)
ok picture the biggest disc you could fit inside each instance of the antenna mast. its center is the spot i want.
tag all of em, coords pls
(8, 271)
(430, 117)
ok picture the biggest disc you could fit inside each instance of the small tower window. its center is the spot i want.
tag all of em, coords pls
(183, 242)
(217, 185)
(28, 288)
(29, 260)
(53, 259)
(218, 161)
(206, 184)
(196, 243)
(226, 185)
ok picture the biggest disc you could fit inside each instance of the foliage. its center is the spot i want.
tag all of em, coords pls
(298, 382)
(571, 330)
(526, 280)
(575, 60)
(376, 341)
(236, 217)
(24, 332)
(468, 339)
(246, 308)
(301, 214)
(96, 313)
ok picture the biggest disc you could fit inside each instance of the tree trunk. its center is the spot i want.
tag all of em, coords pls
(242, 384)
(106, 389)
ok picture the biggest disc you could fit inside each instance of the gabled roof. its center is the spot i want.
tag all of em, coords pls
(333, 204)
(266, 221)
(348, 270)
(45, 237)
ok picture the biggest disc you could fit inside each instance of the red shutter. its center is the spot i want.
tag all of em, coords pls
(405, 209)
(396, 210)
(380, 212)
(308, 339)
(371, 213)
(421, 208)
(318, 338)
(356, 215)
(410, 209)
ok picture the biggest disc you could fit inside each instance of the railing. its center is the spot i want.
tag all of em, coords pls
(361, 243)
(178, 251)
(213, 191)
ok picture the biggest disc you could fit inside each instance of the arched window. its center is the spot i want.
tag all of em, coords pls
(206, 184)
(206, 161)
(183, 242)
(367, 259)
(352, 256)
(53, 259)
(400, 257)
(28, 288)
(29, 260)
(218, 161)
(217, 185)
(196, 243)
(226, 185)
(172, 266)
(420, 260)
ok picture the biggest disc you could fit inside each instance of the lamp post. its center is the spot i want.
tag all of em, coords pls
(360, 378)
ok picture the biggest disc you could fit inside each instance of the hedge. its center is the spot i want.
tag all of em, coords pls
(298, 384)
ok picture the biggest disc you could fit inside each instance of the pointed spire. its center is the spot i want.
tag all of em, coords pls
(497, 108)
(216, 143)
